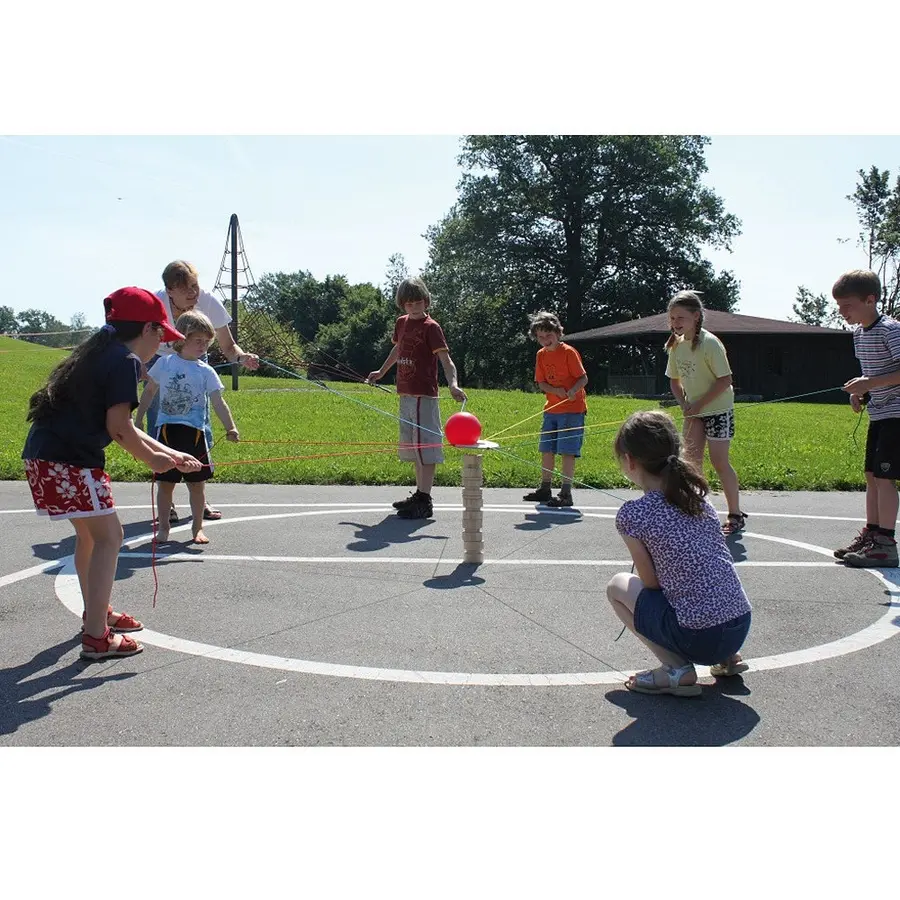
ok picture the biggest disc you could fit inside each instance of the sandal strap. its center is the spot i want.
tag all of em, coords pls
(675, 675)
(100, 643)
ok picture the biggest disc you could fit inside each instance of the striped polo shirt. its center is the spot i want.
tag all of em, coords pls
(877, 347)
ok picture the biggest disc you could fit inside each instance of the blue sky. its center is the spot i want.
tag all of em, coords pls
(84, 215)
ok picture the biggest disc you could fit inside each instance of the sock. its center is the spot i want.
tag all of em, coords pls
(887, 532)
(566, 489)
(871, 527)
(546, 485)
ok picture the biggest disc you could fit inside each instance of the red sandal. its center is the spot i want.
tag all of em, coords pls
(102, 647)
(122, 625)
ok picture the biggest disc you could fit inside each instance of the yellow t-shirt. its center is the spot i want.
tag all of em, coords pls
(698, 369)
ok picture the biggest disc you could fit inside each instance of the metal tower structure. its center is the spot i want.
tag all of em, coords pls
(234, 281)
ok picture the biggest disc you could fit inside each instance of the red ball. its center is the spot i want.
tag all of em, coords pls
(462, 429)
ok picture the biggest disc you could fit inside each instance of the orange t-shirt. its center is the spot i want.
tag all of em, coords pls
(561, 367)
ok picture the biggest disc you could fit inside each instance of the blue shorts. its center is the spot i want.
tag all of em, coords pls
(555, 438)
(654, 619)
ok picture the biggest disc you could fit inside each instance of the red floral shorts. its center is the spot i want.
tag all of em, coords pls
(62, 491)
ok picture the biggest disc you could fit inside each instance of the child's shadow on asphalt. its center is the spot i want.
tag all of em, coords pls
(53, 550)
(544, 519)
(17, 685)
(713, 720)
(390, 530)
(735, 546)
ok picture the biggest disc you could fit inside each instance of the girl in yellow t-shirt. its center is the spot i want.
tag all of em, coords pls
(701, 382)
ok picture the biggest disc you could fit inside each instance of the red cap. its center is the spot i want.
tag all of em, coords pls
(134, 304)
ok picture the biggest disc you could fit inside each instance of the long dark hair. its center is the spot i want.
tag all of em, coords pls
(652, 440)
(689, 300)
(68, 380)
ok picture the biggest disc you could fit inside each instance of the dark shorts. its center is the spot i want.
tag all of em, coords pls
(185, 439)
(883, 449)
(655, 619)
(562, 433)
(719, 427)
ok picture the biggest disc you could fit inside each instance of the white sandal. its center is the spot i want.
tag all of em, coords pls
(644, 682)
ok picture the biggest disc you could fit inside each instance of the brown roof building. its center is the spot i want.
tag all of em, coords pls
(770, 359)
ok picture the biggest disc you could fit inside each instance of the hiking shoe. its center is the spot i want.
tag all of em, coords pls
(878, 553)
(420, 508)
(855, 545)
(402, 504)
(561, 500)
(541, 495)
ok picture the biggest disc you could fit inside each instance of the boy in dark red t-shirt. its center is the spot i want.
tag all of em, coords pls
(418, 344)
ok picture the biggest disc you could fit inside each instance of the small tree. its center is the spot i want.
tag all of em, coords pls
(8, 323)
(878, 211)
(815, 309)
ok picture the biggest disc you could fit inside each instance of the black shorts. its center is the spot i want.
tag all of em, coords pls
(883, 449)
(185, 439)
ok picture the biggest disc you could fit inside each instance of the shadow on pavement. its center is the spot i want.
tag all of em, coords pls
(390, 530)
(462, 576)
(541, 521)
(19, 689)
(712, 720)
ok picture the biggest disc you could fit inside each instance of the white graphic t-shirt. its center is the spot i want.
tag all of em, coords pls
(184, 385)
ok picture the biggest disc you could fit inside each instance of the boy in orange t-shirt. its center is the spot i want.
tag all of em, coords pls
(560, 374)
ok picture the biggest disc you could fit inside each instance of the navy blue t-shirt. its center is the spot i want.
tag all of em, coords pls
(76, 432)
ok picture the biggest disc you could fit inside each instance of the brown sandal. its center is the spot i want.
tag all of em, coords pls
(734, 523)
(102, 647)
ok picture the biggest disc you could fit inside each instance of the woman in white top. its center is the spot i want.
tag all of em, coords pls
(181, 292)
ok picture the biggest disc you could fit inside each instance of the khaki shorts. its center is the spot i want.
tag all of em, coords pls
(421, 437)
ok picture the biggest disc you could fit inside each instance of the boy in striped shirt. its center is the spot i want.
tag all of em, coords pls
(876, 343)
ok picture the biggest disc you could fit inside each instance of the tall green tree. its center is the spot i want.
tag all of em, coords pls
(596, 227)
(878, 211)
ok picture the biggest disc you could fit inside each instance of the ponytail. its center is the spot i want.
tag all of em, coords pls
(651, 439)
(684, 486)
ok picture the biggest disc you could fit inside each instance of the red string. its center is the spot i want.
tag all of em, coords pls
(153, 546)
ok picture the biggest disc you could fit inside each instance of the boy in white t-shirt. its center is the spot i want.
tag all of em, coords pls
(184, 382)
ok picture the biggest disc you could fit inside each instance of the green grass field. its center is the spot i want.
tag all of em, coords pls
(334, 440)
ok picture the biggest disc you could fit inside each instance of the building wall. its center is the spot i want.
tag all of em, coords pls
(774, 366)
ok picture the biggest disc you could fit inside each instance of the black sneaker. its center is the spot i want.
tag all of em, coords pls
(541, 495)
(420, 508)
(402, 504)
(561, 500)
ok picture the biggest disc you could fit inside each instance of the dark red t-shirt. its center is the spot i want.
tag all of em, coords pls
(418, 342)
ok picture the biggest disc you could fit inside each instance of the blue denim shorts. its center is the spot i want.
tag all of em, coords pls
(555, 436)
(654, 619)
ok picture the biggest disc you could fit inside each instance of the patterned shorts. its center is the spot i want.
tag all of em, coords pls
(62, 491)
(719, 427)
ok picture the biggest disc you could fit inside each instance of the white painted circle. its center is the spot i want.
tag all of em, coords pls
(69, 594)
